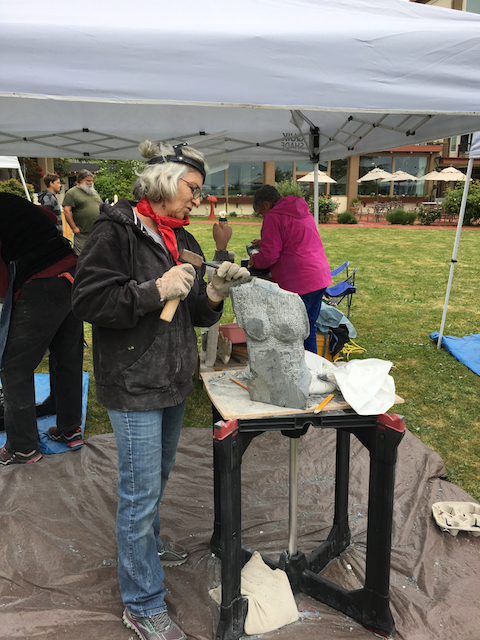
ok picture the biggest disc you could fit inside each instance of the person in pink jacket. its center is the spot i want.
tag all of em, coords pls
(291, 248)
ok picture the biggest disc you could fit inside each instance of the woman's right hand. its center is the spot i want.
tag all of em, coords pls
(176, 282)
(256, 242)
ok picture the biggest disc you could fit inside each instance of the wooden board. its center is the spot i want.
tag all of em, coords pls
(232, 401)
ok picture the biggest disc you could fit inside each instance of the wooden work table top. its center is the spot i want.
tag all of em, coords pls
(233, 401)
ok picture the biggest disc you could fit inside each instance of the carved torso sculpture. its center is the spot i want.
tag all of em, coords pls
(275, 322)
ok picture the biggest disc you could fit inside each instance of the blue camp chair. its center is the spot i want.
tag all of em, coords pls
(343, 289)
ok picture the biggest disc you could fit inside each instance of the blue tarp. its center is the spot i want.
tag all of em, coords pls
(42, 391)
(466, 349)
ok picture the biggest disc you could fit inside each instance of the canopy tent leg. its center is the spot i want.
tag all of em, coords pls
(455, 248)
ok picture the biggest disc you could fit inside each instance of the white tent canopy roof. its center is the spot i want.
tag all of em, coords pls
(9, 162)
(94, 80)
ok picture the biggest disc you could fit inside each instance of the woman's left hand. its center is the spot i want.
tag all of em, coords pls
(224, 278)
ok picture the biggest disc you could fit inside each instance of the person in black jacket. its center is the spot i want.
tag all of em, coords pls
(48, 198)
(36, 274)
(127, 272)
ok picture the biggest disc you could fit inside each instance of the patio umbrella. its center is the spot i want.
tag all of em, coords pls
(376, 174)
(400, 176)
(449, 174)
(322, 178)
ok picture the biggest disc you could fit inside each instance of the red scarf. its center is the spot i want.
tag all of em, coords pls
(165, 225)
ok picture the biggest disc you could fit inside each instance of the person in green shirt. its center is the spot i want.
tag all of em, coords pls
(81, 206)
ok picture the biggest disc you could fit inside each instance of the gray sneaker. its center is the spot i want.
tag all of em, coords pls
(157, 627)
(172, 554)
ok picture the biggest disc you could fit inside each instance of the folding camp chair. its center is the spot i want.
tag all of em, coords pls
(343, 289)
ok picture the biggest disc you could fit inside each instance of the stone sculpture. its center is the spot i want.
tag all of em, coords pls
(275, 322)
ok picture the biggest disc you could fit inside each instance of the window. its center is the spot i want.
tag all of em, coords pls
(338, 171)
(308, 166)
(244, 178)
(305, 167)
(416, 166)
(283, 171)
(374, 187)
(215, 184)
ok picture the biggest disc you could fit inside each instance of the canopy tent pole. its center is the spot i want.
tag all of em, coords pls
(455, 248)
(23, 182)
(315, 157)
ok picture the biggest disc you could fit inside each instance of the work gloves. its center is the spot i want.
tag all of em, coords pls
(176, 282)
(224, 278)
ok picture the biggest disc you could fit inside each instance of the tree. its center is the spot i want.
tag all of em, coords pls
(116, 177)
(453, 200)
(15, 187)
(290, 188)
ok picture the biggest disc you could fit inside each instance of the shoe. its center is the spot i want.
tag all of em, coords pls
(158, 627)
(73, 439)
(19, 457)
(173, 555)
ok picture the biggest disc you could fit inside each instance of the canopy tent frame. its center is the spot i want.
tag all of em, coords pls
(261, 84)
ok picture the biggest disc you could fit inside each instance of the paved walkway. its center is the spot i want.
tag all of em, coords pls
(361, 224)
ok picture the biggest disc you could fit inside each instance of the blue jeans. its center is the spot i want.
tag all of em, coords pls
(147, 444)
(313, 303)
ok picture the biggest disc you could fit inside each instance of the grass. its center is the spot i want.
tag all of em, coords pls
(401, 283)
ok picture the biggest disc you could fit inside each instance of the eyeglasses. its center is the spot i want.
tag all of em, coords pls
(196, 190)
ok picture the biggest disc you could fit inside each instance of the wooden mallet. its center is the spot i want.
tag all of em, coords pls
(188, 257)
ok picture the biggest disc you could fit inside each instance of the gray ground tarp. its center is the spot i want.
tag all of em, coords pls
(57, 540)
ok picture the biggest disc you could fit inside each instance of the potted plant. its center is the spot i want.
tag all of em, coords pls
(356, 205)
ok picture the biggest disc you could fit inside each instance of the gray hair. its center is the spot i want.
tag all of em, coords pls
(81, 175)
(267, 193)
(159, 182)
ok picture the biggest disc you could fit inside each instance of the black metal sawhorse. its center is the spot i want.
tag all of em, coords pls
(381, 435)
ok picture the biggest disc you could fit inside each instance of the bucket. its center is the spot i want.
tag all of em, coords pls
(321, 350)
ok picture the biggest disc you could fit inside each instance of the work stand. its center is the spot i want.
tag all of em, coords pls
(381, 435)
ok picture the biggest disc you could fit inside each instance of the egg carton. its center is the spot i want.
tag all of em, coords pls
(457, 516)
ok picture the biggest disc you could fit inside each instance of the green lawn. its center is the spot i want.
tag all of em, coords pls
(401, 282)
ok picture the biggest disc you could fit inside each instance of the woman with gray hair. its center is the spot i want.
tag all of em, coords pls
(127, 272)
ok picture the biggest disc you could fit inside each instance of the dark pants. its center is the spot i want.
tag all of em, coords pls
(313, 303)
(42, 318)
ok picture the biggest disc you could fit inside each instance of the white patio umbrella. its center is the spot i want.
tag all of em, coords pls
(375, 174)
(449, 174)
(323, 178)
(400, 176)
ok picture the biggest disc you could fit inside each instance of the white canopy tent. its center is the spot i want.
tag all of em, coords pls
(474, 153)
(11, 162)
(97, 80)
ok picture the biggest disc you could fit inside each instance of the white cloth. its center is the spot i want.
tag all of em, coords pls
(271, 604)
(320, 368)
(366, 385)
